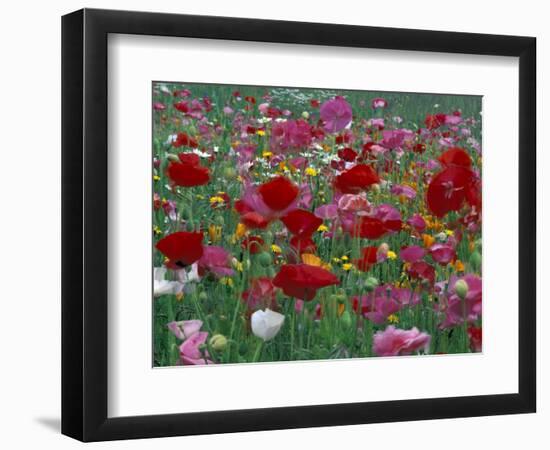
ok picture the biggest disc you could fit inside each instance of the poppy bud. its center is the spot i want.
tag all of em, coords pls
(203, 296)
(229, 173)
(370, 284)
(218, 342)
(475, 259)
(461, 289)
(305, 115)
(172, 157)
(265, 259)
(346, 319)
(375, 188)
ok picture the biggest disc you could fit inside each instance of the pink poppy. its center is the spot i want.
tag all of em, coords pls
(406, 191)
(396, 342)
(456, 309)
(185, 328)
(417, 222)
(442, 254)
(216, 260)
(412, 253)
(336, 114)
(190, 352)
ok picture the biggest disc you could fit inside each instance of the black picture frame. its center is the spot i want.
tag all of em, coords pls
(84, 224)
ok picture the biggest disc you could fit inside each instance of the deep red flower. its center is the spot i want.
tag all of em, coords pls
(182, 248)
(301, 222)
(314, 103)
(369, 257)
(456, 156)
(279, 193)
(184, 140)
(476, 338)
(250, 99)
(419, 148)
(302, 280)
(188, 171)
(253, 220)
(303, 244)
(356, 179)
(254, 244)
(422, 271)
(369, 228)
(347, 154)
(434, 121)
(182, 106)
(447, 190)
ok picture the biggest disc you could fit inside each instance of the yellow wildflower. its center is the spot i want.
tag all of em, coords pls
(336, 260)
(157, 230)
(344, 258)
(276, 249)
(216, 200)
(392, 318)
(156, 178)
(449, 232)
(260, 132)
(267, 154)
(310, 171)
(226, 281)
(391, 255)
(322, 228)
(347, 266)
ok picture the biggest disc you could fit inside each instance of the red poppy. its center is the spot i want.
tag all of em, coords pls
(456, 156)
(188, 172)
(182, 106)
(347, 154)
(254, 220)
(447, 190)
(369, 228)
(476, 338)
(250, 99)
(254, 244)
(303, 244)
(301, 222)
(184, 140)
(302, 280)
(182, 248)
(314, 103)
(419, 148)
(422, 271)
(369, 257)
(279, 193)
(434, 121)
(356, 179)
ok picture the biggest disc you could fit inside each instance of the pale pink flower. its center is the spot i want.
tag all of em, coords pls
(396, 342)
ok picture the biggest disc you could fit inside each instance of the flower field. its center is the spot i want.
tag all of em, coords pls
(306, 224)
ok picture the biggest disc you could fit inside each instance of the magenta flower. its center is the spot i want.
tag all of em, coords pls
(158, 106)
(336, 114)
(412, 253)
(329, 211)
(290, 135)
(216, 260)
(185, 328)
(417, 222)
(396, 342)
(443, 254)
(190, 350)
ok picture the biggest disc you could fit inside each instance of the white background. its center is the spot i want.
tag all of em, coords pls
(30, 314)
(135, 389)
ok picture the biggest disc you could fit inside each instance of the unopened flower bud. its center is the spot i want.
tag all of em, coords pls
(346, 318)
(265, 259)
(229, 173)
(203, 296)
(461, 289)
(475, 259)
(171, 157)
(218, 342)
(370, 284)
(305, 115)
(375, 188)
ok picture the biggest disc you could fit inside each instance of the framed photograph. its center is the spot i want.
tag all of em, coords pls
(273, 224)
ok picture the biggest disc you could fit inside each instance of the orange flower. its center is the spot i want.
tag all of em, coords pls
(428, 240)
(313, 260)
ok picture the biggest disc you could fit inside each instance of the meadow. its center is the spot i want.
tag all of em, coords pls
(314, 224)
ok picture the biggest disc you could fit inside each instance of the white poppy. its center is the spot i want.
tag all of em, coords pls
(162, 286)
(266, 324)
